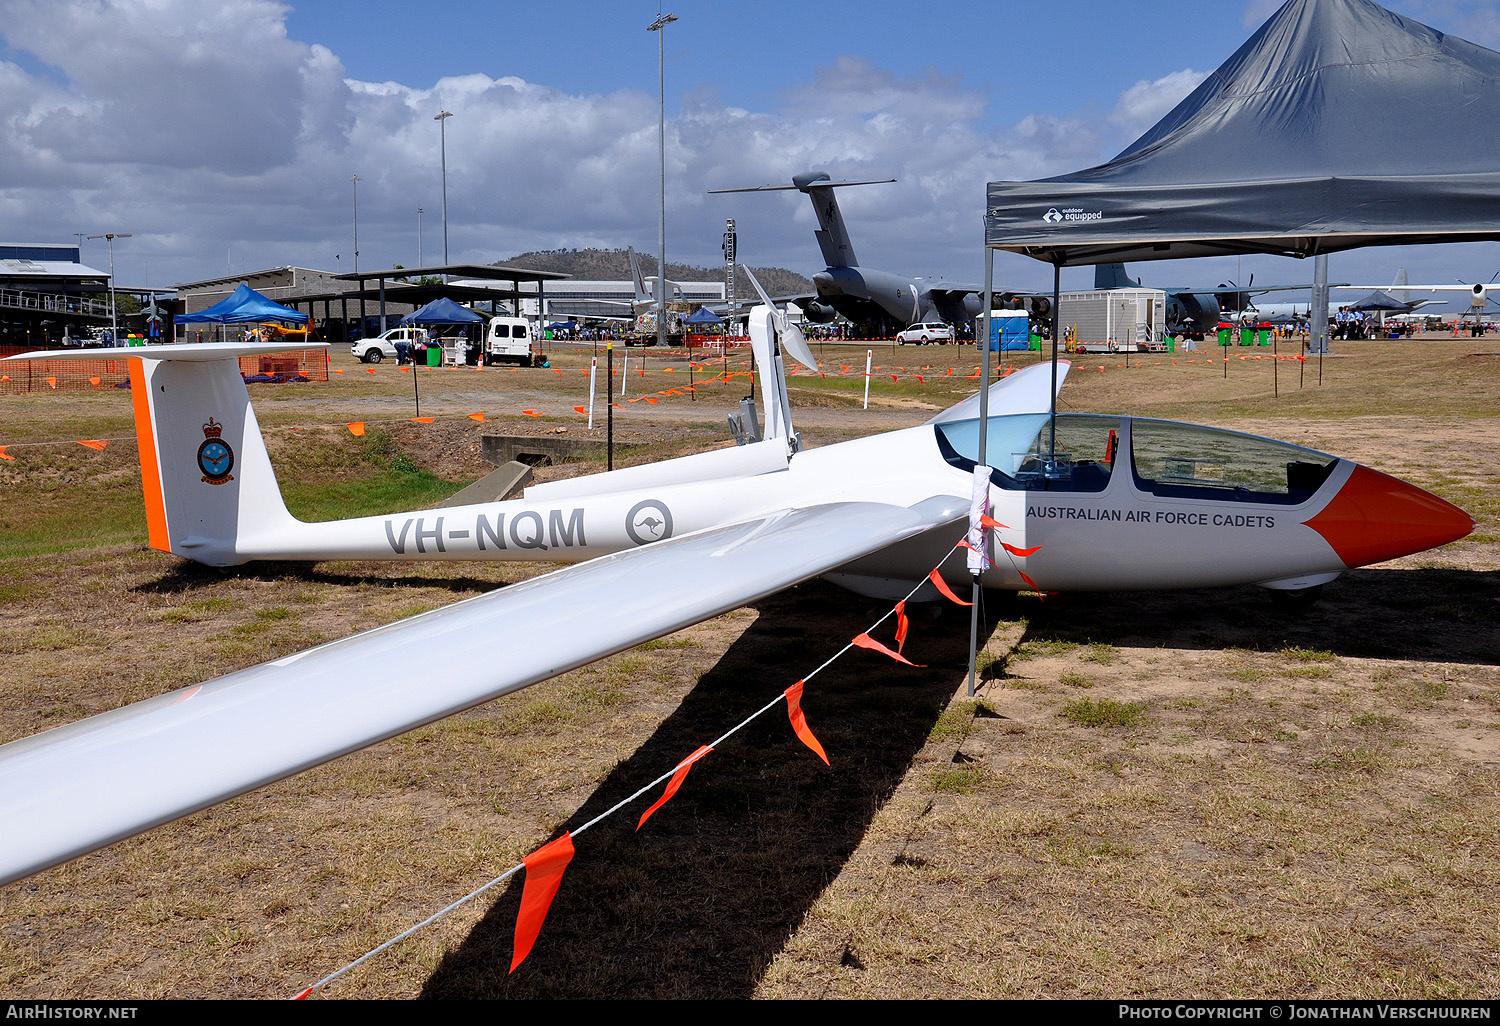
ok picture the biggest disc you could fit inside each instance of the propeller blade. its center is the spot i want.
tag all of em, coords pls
(794, 343)
(790, 335)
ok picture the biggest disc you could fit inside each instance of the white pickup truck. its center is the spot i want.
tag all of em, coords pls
(383, 346)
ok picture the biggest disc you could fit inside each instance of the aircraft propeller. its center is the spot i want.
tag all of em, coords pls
(790, 335)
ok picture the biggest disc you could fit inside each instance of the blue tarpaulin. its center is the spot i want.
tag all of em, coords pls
(243, 306)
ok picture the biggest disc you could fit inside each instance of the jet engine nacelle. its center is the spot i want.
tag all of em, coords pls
(1041, 306)
(819, 313)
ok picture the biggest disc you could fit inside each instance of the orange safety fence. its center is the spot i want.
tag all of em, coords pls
(70, 375)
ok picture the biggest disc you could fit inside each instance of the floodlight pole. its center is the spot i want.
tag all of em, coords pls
(661, 22)
(442, 119)
(354, 180)
(114, 329)
(419, 238)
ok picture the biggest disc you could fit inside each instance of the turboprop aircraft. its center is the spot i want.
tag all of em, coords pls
(1481, 294)
(863, 293)
(1205, 306)
(1082, 502)
(642, 309)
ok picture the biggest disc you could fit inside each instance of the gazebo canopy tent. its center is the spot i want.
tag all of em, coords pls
(703, 315)
(442, 311)
(1277, 152)
(1380, 301)
(243, 306)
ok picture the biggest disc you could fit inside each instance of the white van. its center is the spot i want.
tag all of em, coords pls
(511, 339)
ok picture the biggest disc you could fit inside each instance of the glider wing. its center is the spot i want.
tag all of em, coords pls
(75, 789)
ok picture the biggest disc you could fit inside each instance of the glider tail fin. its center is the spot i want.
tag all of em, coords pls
(210, 493)
(207, 478)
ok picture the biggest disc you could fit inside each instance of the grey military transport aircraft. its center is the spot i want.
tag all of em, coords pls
(865, 294)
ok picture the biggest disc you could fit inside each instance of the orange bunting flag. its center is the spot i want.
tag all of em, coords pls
(357, 428)
(532, 413)
(903, 624)
(1019, 552)
(5, 378)
(581, 409)
(652, 400)
(942, 586)
(94, 382)
(93, 443)
(422, 420)
(371, 370)
(337, 371)
(920, 378)
(3, 455)
(544, 872)
(52, 382)
(477, 416)
(895, 380)
(672, 785)
(799, 721)
(865, 641)
(843, 370)
(404, 370)
(992, 523)
(1032, 584)
(950, 373)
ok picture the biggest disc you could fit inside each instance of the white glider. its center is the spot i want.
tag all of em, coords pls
(1085, 503)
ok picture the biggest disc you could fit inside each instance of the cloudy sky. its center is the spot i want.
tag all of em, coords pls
(223, 133)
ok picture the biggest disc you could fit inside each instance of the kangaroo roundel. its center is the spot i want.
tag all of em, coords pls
(648, 521)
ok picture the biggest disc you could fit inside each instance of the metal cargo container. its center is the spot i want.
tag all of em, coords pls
(1114, 320)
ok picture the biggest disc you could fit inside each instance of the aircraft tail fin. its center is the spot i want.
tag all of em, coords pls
(641, 295)
(832, 235)
(1398, 289)
(207, 480)
(1113, 276)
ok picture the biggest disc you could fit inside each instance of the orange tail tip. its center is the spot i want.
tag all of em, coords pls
(1375, 517)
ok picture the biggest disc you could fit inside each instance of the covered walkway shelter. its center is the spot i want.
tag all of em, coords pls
(391, 285)
(1271, 154)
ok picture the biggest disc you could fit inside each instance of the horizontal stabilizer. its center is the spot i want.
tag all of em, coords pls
(819, 183)
(197, 352)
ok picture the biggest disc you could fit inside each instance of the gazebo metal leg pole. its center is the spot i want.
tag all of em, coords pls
(984, 414)
(1052, 419)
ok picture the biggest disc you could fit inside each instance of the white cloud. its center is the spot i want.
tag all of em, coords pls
(1146, 102)
(203, 129)
(1257, 11)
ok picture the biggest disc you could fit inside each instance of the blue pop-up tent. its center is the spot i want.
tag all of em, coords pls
(703, 315)
(442, 311)
(244, 305)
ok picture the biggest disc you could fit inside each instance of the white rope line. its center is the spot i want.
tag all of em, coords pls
(611, 810)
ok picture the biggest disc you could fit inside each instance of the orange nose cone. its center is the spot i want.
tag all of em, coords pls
(1375, 517)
